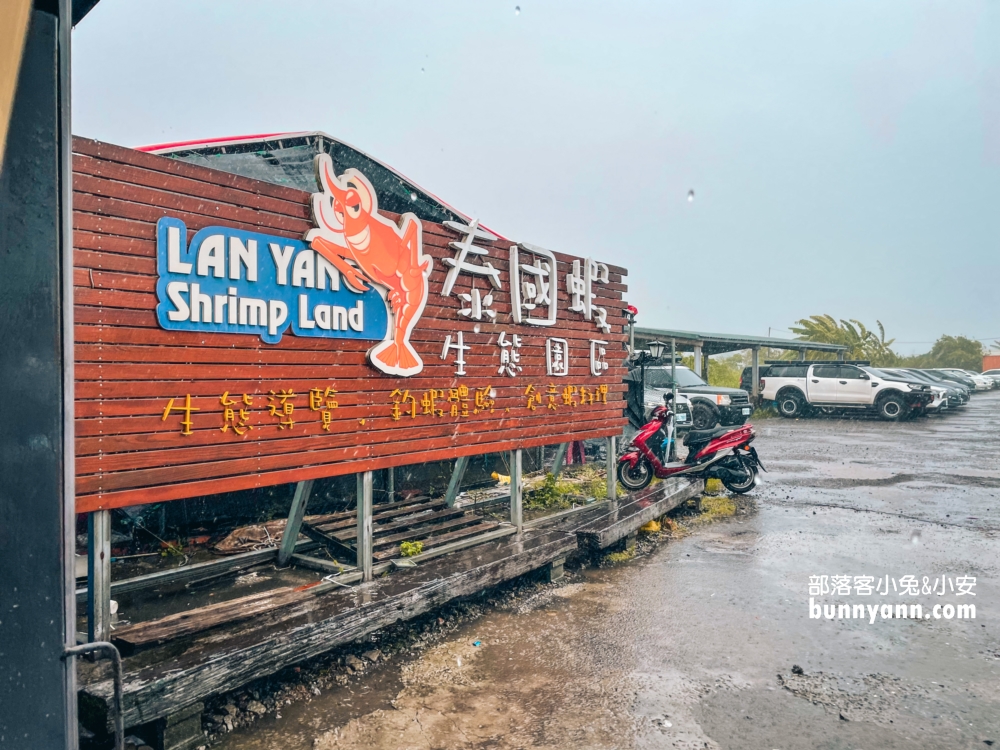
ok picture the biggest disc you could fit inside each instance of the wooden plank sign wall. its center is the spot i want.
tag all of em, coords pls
(233, 334)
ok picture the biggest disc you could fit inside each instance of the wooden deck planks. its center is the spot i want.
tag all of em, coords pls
(436, 540)
(237, 656)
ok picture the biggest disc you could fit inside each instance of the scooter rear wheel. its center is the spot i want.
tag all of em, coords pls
(635, 477)
(745, 485)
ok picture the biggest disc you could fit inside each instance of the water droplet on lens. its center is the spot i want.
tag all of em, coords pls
(517, 10)
(690, 196)
(915, 536)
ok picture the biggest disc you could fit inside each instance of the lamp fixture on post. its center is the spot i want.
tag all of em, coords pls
(653, 351)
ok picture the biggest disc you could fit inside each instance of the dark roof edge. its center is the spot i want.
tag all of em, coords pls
(750, 341)
(81, 8)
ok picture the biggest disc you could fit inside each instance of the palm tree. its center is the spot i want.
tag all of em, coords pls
(861, 343)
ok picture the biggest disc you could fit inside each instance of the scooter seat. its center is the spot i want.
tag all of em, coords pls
(703, 436)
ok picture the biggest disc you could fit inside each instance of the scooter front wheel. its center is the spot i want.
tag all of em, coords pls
(635, 477)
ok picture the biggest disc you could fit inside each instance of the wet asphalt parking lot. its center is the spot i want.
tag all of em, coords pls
(693, 645)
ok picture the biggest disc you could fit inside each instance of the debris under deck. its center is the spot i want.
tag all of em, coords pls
(183, 658)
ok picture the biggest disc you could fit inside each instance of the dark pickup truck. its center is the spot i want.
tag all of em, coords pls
(711, 405)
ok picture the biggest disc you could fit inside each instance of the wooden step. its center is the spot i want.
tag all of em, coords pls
(204, 618)
(614, 524)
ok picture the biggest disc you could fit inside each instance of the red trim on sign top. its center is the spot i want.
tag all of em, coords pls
(208, 141)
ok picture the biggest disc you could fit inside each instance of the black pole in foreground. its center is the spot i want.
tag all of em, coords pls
(37, 602)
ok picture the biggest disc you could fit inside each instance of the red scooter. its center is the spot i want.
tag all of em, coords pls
(721, 453)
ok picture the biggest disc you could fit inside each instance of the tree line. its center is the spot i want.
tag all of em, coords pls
(862, 342)
(866, 344)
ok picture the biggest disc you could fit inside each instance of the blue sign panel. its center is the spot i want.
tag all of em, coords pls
(233, 281)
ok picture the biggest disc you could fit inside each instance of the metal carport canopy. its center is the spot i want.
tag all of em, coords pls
(720, 343)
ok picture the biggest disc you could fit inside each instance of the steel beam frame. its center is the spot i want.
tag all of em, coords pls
(516, 490)
(457, 473)
(364, 537)
(612, 466)
(295, 515)
(99, 576)
(559, 460)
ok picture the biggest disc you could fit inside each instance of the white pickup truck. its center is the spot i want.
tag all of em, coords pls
(799, 387)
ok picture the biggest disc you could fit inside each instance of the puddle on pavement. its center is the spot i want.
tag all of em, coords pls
(737, 543)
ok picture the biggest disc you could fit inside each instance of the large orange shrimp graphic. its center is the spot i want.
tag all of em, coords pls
(350, 228)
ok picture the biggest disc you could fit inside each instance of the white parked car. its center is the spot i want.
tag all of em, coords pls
(804, 386)
(982, 383)
(994, 375)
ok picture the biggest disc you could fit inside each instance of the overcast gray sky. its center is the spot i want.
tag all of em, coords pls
(845, 156)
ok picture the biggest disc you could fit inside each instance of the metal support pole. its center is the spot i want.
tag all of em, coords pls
(38, 696)
(697, 359)
(364, 539)
(704, 367)
(390, 484)
(673, 370)
(457, 473)
(99, 576)
(802, 355)
(559, 459)
(117, 685)
(294, 524)
(612, 466)
(841, 355)
(642, 386)
(516, 490)
(755, 372)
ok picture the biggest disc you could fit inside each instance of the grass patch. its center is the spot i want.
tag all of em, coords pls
(550, 495)
(409, 549)
(714, 487)
(576, 485)
(619, 557)
(716, 507)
